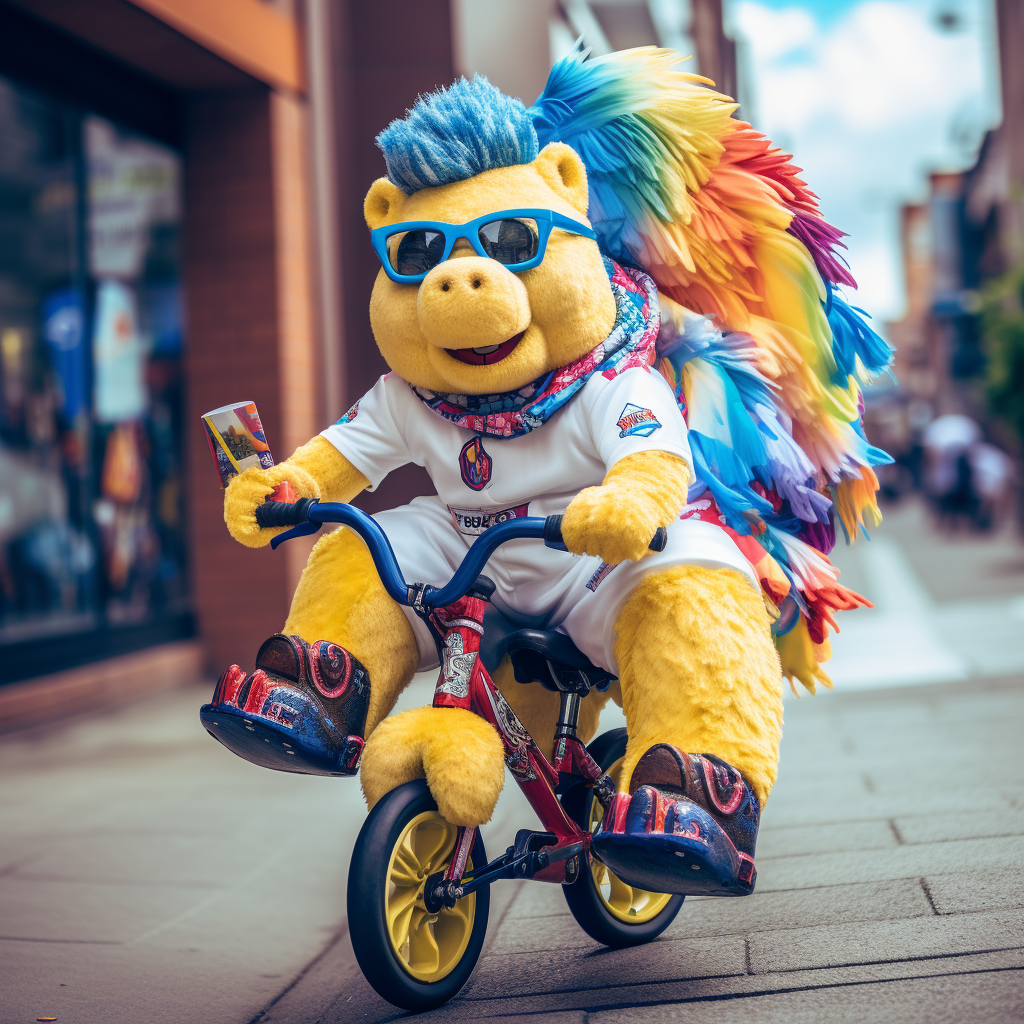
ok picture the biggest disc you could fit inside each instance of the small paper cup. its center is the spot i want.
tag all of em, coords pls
(236, 438)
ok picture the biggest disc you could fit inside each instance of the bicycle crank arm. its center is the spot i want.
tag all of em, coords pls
(441, 892)
(547, 857)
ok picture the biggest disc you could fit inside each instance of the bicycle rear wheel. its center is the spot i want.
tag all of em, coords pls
(606, 908)
(412, 958)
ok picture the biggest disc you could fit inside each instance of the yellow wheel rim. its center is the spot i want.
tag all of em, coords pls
(429, 946)
(629, 904)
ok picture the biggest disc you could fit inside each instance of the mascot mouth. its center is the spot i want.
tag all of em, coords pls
(488, 354)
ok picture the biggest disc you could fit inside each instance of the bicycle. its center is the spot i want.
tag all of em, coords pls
(418, 887)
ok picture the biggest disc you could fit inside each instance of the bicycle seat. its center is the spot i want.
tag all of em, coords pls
(541, 655)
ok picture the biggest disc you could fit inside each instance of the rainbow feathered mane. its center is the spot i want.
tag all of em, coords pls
(766, 360)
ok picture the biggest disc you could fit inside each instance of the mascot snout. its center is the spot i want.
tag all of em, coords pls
(474, 308)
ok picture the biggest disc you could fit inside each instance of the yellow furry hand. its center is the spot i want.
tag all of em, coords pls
(608, 521)
(249, 490)
(316, 470)
(458, 753)
(618, 520)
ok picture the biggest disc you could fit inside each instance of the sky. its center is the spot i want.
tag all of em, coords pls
(869, 96)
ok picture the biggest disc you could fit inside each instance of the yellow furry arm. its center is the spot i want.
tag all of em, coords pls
(337, 478)
(617, 520)
(316, 470)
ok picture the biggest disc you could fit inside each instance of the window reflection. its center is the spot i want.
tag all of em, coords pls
(91, 522)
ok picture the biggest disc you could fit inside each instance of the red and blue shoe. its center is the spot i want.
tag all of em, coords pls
(302, 710)
(688, 825)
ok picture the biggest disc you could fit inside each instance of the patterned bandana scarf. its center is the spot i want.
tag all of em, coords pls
(514, 413)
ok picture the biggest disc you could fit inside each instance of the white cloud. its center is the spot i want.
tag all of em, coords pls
(777, 32)
(867, 104)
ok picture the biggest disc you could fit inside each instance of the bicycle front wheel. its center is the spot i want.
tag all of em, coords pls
(412, 958)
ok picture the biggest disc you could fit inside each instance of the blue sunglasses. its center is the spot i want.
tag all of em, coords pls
(515, 238)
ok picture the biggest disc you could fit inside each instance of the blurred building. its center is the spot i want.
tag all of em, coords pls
(994, 187)
(181, 190)
(970, 230)
(181, 187)
(936, 341)
(514, 42)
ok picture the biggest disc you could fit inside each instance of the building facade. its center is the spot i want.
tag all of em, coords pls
(969, 232)
(181, 190)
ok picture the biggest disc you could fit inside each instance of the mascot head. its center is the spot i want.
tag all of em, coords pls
(495, 226)
(520, 293)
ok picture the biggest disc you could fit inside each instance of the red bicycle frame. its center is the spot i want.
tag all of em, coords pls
(463, 681)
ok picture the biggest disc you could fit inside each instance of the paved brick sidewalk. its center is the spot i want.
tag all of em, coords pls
(148, 876)
(889, 888)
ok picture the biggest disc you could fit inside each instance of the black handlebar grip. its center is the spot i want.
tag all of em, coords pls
(553, 535)
(283, 513)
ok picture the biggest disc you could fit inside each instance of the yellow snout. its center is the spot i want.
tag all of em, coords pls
(471, 302)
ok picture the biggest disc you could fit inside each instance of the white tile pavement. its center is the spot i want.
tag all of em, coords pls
(909, 638)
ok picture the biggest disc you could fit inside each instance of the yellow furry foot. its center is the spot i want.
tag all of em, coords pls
(459, 754)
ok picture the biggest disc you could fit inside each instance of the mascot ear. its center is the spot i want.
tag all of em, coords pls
(381, 202)
(562, 169)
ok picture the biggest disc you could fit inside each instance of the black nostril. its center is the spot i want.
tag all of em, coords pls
(444, 287)
(476, 282)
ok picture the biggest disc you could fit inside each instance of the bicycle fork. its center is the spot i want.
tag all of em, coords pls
(463, 682)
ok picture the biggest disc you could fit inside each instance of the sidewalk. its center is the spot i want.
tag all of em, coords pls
(148, 876)
(889, 888)
(947, 608)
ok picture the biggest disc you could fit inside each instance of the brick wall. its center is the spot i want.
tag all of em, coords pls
(379, 75)
(249, 280)
(242, 308)
(301, 392)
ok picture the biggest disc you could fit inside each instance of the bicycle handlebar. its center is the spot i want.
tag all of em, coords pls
(283, 513)
(307, 515)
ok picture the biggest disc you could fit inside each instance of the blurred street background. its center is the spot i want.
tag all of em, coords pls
(181, 190)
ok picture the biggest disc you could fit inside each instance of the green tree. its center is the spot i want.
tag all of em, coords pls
(1002, 325)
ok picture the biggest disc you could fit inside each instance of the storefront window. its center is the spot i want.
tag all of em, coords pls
(91, 523)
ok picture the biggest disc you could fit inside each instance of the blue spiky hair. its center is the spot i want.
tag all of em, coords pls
(456, 133)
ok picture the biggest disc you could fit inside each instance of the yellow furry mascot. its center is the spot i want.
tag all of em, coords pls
(618, 305)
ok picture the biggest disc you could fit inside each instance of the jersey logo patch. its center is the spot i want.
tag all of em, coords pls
(473, 521)
(635, 420)
(595, 581)
(349, 416)
(475, 464)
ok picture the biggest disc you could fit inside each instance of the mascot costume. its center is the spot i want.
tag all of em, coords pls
(618, 304)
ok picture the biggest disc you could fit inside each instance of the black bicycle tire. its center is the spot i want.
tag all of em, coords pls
(366, 888)
(585, 904)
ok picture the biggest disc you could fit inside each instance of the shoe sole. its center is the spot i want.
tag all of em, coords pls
(275, 746)
(660, 862)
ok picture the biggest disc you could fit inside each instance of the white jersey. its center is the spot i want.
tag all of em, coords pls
(484, 479)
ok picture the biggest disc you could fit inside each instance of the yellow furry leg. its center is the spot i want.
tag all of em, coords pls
(699, 670)
(537, 708)
(460, 755)
(340, 598)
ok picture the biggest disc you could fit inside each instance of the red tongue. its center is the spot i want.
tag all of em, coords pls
(467, 355)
